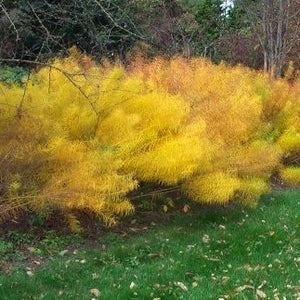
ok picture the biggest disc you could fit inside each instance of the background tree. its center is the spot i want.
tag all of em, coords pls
(276, 27)
(41, 29)
(257, 33)
(170, 26)
(47, 28)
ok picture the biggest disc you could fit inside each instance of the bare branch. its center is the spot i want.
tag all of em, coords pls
(10, 20)
(19, 109)
(115, 23)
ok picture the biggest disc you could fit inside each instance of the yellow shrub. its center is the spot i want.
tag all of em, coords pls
(289, 141)
(49, 153)
(212, 188)
(291, 175)
(81, 135)
(171, 161)
(251, 188)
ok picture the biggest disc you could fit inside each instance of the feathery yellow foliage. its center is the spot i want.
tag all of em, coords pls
(49, 153)
(291, 175)
(73, 223)
(250, 189)
(216, 187)
(289, 141)
(171, 161)
(81, 136)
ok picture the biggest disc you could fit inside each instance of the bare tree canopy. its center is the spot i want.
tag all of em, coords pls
(258, 33)
(276, 24)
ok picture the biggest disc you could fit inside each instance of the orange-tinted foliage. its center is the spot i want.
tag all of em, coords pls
(83, 135)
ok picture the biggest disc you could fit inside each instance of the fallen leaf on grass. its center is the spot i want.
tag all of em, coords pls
(248, 268)
(95, 292)
(212, 258)
(132, 285)
(170, 202)
(63, 252)
(153, 254)
(244, 287)
(262, 284)
(261, 294)
(186, 208)
(133, 229)
(165, 208)
(206, 238)
(225, 279)
(189, 273)
(181, 285)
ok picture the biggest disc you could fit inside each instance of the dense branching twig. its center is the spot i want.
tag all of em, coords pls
(3, 8)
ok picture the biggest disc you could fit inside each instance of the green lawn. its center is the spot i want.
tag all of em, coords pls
(209, 254)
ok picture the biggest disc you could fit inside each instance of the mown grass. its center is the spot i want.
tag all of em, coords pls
(210, 254)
